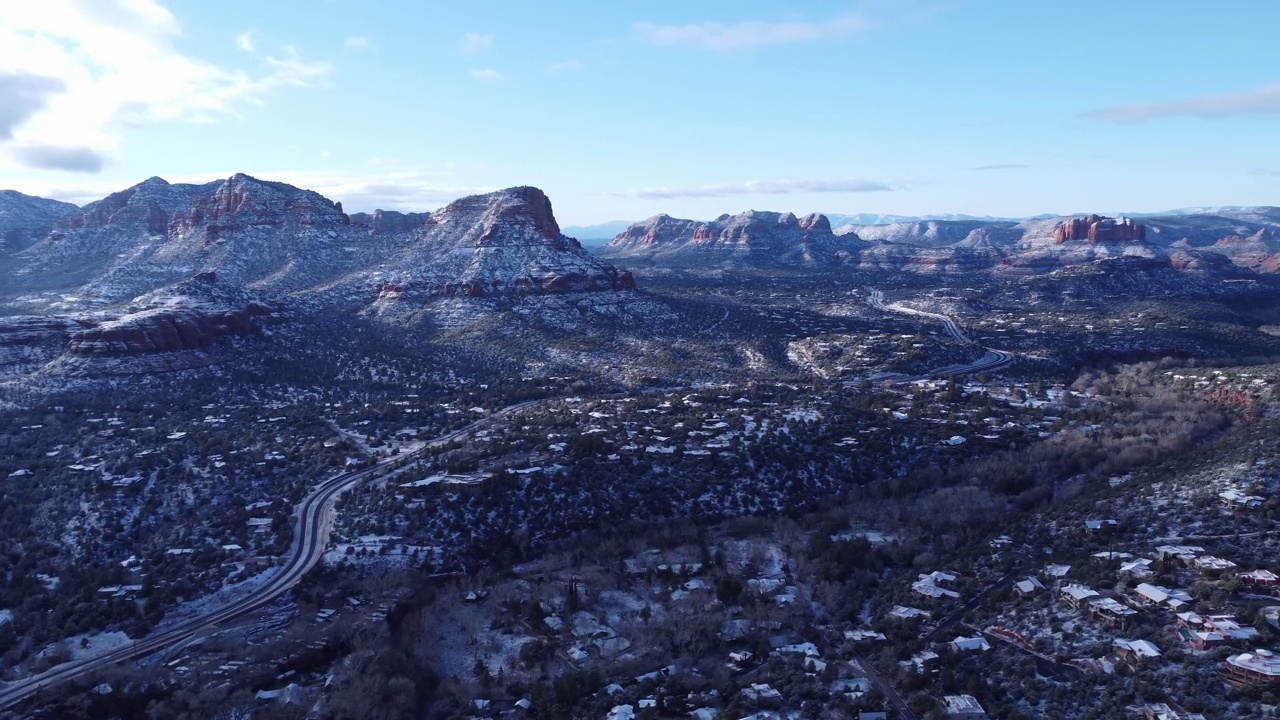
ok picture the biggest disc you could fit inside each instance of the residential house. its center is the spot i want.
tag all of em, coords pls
(1027, 588)
(1164, 711)
(1109, 612)
(1101, 526)
(1056, 572)
(1260, 578)
(1183, 553)
(1075, 595)
(977, 643)
(1237, 500)
(923, 662)
(1260, 668)
(1140, 568)
(1134, 652)
(963, 707)
(1148, 594)
(1205, 632)
(1213, 566)
(901, 612)
(929, 585)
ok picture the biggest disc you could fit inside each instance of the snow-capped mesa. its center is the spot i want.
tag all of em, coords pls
(752, 237)
(26, 219)
(1228, 242)
(503, 243)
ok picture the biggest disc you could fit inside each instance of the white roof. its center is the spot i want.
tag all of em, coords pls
(1260, 661)
(1154, 593)
(1079, 592)
(959, 704)
(1143, 648)
(971, 643)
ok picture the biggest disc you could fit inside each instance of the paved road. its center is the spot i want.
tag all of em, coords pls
(992, 359)
(311, 536)
(886, 689)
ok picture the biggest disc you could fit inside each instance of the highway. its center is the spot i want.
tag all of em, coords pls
(992, 359)
(313, 523)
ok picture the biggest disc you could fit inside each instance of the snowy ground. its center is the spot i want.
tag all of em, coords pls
(368, 550)
(209, 603)
(94, 644)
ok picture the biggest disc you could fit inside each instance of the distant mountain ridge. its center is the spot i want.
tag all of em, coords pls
(1228, 243)
(25, 219)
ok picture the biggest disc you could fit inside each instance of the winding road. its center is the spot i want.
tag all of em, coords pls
(314, 521)
(992, 359)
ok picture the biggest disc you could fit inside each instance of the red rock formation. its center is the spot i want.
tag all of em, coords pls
(162, 330)
(242, 202)
(1096, 229)
(389, 222)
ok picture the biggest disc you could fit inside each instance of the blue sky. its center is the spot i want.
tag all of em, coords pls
(621, 110)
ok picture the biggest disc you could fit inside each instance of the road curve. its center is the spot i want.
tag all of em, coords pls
(311, 536)
(992, 359)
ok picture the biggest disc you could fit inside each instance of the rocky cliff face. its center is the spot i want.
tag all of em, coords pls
(242, 202)
(1099, 229)
(501, 243)
(172, 329)
(146, 207)
(25, 219)
(751, 236)
(389, 222)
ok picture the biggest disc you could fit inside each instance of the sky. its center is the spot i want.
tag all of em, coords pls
(622, 110)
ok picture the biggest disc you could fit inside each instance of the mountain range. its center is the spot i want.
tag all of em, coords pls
(160, 270)
(1226, 242)
(155, 276)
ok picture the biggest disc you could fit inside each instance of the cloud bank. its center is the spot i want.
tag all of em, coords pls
(749, 34)
(74, 74)
(1258, 101)
(765, 187)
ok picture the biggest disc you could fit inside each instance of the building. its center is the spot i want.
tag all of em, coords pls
(1260, 578)
(1075, 595)
(1164, 711)
(1109, 612)
(930, 585)
(1210, 565)
(1260, 668)
(1237, 500)
(976, 643)
(1135, 652)
(1028, 587)
(963, 707)
(1056, 572)
(1148, 594)
(1184, 553)
(924, 662)
(901, 612)
(1101, 526)
(1140, 568)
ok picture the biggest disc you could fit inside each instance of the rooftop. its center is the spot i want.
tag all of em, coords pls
(1263, 662)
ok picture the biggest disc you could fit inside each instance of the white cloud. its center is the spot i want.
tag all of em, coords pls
(22, 95)
(247, 41)
(1002, 166)
(113, 64)
(766, 187)
(566, 66)
(751, 33)
(486, 74)
(1258, 101)
(476, 42)
(53, 157)
(357, 42)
